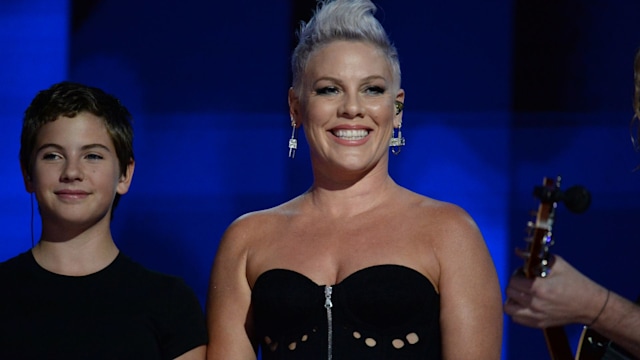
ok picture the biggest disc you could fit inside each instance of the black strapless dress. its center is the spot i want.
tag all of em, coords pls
(380, 312)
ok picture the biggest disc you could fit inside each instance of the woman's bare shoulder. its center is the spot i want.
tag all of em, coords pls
(446, 219)
(427, 206)
(260, 222)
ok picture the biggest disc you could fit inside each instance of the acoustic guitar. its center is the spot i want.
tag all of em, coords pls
(592, 345)
(538, 257)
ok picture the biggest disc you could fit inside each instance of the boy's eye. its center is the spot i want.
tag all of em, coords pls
(51, 156)
(94, 157)
(327, 90)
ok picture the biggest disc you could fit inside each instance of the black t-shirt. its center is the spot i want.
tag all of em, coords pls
(121, 312)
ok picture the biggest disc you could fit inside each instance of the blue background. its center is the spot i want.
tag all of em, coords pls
(499, 95)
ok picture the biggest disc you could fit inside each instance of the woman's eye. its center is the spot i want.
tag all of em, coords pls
(377, 90)
(327, 90)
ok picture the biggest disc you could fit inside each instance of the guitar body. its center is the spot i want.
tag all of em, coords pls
(594, 346)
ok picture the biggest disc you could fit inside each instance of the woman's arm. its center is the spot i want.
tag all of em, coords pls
(471, 301)
(194, 354)
(229, 299)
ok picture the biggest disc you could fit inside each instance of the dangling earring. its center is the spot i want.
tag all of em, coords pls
(293, 142)
(396, 141)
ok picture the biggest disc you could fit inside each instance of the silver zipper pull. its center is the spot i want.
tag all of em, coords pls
(327, 297)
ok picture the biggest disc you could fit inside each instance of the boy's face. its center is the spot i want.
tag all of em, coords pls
(76, 173)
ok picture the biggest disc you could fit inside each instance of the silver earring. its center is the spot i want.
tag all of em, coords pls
(293, 142)
(396, 141)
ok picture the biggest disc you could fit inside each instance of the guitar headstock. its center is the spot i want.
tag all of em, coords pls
(540, 236)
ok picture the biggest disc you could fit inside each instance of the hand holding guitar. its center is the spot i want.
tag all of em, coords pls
(565, 296)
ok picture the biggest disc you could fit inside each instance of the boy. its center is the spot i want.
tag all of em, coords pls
(74, 295)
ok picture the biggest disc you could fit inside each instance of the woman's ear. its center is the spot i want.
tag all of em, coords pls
(398, 108)
(294, 108)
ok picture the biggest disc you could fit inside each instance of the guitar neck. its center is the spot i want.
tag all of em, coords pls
(538, 262)
(557, 343)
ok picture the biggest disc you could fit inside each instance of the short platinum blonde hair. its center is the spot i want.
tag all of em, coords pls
(350, 20)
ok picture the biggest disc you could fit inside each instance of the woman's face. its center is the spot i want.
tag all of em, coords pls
(347, 106)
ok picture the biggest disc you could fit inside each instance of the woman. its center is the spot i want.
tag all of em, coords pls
(357, 267)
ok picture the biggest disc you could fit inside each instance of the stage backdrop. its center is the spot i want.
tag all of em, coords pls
(499, 94)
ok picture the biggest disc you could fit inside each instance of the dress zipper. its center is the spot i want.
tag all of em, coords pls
(328, 305)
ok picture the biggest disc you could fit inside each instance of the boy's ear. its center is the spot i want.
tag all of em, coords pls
(28, 181)
(125, 179)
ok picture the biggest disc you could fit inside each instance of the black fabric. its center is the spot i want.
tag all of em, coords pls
(121, 312)
(381, 305)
